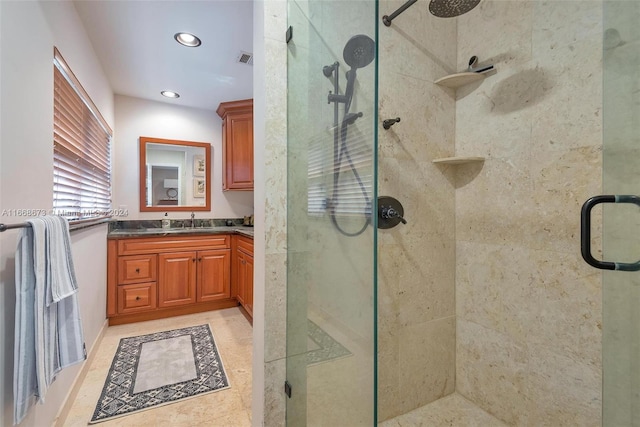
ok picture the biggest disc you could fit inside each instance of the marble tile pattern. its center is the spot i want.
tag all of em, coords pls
(175, 223)
(230, 407)
(529, 310)
(416, 261)
(452, 410)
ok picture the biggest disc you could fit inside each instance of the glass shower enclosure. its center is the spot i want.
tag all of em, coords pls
(621, 222)
(331, 232)
(332, 258)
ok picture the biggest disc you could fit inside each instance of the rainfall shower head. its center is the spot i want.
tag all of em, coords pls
(359, 51)
(439, 8)
(451, 8)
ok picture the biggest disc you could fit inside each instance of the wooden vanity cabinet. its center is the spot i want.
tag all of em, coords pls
(177, 279)
(214, 275)
(155, 277)
(243, 271)
(196, 276)
(237, 144)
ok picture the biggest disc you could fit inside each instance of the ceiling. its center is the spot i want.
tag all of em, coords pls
(134, 42)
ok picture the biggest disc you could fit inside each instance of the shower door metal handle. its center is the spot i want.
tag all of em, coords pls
(585, 232)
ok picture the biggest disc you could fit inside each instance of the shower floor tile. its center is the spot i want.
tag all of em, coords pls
(451, 411)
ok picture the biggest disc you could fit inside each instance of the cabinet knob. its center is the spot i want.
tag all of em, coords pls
(244, 262)
(137, 270)
(193, 259)
(199, 259)
(138, 298)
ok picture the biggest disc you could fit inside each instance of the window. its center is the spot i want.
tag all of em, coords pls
(81, 150)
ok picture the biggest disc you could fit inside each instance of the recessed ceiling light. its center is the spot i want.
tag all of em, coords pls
(170, 94)
(187, 39)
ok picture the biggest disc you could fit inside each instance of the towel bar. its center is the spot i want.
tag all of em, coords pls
(4, 227)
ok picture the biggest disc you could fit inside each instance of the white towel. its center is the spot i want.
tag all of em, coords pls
(25, 383)
(48, 327)
(61, 281)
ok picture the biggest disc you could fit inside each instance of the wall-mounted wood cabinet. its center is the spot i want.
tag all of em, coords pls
(237, 144)
(156, 277)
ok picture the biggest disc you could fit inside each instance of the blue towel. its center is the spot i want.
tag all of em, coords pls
(48, 327)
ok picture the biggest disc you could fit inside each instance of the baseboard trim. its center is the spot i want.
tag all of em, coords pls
(77, 383)
(181, 310)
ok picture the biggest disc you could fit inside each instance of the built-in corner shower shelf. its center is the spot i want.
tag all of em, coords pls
(459, 160)
(459, 79)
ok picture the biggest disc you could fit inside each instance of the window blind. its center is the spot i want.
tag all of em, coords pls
(81, 150)
(349, 191)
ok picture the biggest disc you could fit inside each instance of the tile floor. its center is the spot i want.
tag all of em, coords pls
(230, 407)
(453, 410)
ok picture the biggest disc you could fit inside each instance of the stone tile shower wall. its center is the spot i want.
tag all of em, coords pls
(416, 261)
(528, 307)
(275, 211)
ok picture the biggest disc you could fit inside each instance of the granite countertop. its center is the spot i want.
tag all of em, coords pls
(148, 229)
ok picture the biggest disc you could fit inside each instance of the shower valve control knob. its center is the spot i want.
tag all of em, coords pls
(390, 212)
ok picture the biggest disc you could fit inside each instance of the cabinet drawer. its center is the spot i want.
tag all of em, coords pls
(165, 244)
(137, 269)
(244, 244)
(139, 297)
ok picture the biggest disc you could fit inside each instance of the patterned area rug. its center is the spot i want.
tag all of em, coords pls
(321, 347)
(157, 369)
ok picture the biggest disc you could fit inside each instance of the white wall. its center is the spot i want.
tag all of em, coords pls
(26, 169)
(137, 117)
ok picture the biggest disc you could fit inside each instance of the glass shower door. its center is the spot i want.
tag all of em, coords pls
(621, 222)
(331, 234)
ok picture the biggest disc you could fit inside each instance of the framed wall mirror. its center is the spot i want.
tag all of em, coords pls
(174, 175)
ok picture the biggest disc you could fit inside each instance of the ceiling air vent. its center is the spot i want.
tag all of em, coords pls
(245, 58)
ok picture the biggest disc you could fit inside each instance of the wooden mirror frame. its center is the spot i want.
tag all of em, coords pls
(143, 175)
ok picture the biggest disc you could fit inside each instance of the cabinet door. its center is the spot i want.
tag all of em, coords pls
(248, 283)
(214, 278)
(176, 279)
(239, 152)
(224, 155)
(240, 280)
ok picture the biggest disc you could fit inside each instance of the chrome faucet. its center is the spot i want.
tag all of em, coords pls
(193, 221)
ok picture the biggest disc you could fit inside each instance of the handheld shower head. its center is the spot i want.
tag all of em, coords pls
(359, 51)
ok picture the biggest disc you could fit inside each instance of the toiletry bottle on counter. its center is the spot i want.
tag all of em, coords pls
(166, 222)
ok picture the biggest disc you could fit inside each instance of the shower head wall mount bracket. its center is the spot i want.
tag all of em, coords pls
(386, 19)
